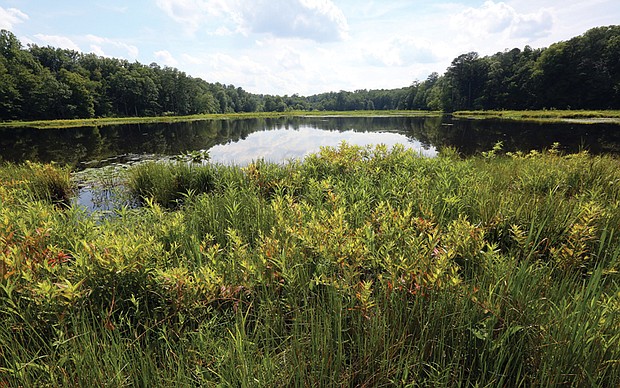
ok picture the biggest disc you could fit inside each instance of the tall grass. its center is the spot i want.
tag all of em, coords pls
(357, 267)
(39, 182)
(168, 184)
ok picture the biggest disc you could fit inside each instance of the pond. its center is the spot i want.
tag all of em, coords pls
(95, 151)
(240, 141)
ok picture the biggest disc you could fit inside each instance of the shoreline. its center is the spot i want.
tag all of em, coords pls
(545, 116)
(96, 122)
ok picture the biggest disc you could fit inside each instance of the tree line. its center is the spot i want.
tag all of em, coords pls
(50, 83)
(581, 73)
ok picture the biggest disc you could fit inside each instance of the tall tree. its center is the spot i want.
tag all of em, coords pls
(466, 77)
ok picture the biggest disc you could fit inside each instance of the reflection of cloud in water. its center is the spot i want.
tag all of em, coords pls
(282, 144)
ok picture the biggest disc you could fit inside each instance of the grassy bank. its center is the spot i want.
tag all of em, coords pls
(577, 116)
(356, 267)
(57, 124)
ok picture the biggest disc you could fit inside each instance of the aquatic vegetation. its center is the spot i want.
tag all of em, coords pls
(98, 122)
(39, 181)
(358, 266)
(168, 183)
(551, 115)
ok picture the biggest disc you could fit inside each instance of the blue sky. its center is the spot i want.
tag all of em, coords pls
(302, 46)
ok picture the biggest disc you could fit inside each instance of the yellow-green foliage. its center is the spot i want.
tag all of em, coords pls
(39, 181)
(358, 266)
(583, 116)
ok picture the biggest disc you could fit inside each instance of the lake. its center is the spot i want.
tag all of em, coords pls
(240, 141)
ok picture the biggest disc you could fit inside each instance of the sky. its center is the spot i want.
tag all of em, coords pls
(303, 47)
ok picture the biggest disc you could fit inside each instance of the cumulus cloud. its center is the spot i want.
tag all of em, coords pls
(187, 12)
(401, 51)
(259, 72)
(10, 17)
(191, 59)
(166, 58)
(289, 59)
(318, 20)
(97, 44)
(57, 41)
(224, 65)
(96, 49)
(192, 14)
(501, 18)
(533, 25)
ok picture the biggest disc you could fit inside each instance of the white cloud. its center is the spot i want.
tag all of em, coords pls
(224, 68)
(225, 64)
(318, 20)
(166, 58)
(57, 41)
(401, 51)
(183, 11)
(96, 49)
(192, 14)
(191, 59)
(10, 17)
(533, 25)
(97, 44)
(261, 71)
(223, 31)
(503, 19)
(290, 58)
(382, 55)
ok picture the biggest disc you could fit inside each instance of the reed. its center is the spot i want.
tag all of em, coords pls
(360, 266)
(168, 183)
(40, 182)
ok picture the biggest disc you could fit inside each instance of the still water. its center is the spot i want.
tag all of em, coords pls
(243, 140)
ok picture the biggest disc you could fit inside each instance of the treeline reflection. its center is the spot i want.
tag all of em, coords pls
(95, 146)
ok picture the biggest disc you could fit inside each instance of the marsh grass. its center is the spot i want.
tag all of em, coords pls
(356, 267)
(551, 115)
(168, 183)
(40, 182)
(97, 122)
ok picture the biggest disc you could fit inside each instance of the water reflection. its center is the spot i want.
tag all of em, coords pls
(243, 139)
(284, 144)
(471, 137)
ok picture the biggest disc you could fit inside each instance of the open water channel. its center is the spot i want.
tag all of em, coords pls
(240, 141)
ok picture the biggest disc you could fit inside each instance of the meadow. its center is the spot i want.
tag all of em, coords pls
(358, 266)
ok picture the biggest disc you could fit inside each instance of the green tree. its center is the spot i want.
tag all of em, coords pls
(466, 78)
(134, 92)
(9, 94)
(80, 102)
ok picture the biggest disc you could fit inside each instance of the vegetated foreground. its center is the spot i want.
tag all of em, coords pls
(357, 266)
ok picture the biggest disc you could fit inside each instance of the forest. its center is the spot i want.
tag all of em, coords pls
(51, 83)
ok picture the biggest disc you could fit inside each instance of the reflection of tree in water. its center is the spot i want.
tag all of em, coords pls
(472, 137)
(64, 146)
(73, 146)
